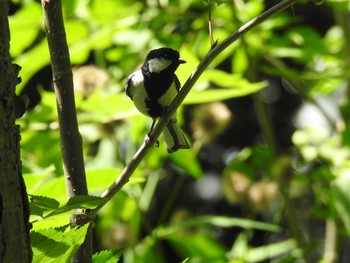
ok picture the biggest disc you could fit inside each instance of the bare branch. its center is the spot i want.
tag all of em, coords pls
(71, 141)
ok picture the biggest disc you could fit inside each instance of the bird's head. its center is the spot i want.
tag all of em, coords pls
(163, 59)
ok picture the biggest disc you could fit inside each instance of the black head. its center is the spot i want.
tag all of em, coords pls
(163, 58)
(163, 52)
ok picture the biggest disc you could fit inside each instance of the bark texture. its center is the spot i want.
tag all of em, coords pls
(14, 206)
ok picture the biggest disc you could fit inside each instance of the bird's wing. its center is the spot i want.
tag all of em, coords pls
(177, 83)
(128, 86)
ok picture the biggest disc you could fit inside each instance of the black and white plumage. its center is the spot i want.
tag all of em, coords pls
(153, 87)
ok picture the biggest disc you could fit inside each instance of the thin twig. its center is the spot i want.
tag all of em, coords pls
(71, 142)
(213, 43)
(211, 55)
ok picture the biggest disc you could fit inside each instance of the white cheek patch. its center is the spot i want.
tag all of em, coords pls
(156, 65)
(137, 77)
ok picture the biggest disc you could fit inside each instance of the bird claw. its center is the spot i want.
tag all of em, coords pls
(148, 141)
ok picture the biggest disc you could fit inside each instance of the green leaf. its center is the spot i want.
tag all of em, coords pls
(85, 201)
(102, 106)
(223, 221)
(240, 62)
(188, 162)
(46, 185)
(211, 95)
(100, 179)
(106, 256)
(36, 210)
(55, 245)
(24, 27)
(44, 202)
(226, 80)
(267, 252)
(199, 247)
(78, 202)
(32, 61)
(242, 250)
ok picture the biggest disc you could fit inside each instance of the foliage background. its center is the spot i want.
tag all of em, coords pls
(268, 122)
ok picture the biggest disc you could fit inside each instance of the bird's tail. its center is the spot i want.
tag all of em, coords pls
(174, 137)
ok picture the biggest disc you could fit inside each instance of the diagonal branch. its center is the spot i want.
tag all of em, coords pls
(211, 55)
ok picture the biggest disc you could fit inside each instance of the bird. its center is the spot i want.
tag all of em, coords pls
(153, 87)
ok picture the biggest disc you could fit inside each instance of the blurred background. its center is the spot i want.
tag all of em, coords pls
(268, 175)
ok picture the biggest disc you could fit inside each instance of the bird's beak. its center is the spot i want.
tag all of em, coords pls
(182, 61)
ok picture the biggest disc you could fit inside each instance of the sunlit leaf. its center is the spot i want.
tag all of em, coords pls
(103, 106)
(202, 248)
(187, 161)
(259, 254)
(106, 256)
(55, 245)
(32, 61)
(78, 202)
(220, 221)
(24, 27)
(44, 202)
(211, 95)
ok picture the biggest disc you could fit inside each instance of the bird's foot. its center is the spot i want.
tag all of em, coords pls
(148, 141)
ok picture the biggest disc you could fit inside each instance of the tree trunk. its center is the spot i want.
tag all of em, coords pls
(14, 206)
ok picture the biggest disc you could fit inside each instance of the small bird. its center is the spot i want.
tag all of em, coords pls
(153, 87)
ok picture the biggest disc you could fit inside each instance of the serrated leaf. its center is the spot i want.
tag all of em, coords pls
(54, 245)
(85, 201)
(36, 210)
(78, 202)
(106, 256)
(44, 202)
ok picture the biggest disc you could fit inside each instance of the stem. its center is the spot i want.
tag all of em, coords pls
(210, 28)
(265, 123)
(331, 240)
(211, 55)
(71, 141)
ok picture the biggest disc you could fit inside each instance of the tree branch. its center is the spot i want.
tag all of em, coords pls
(71, 142)
(211, 55)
